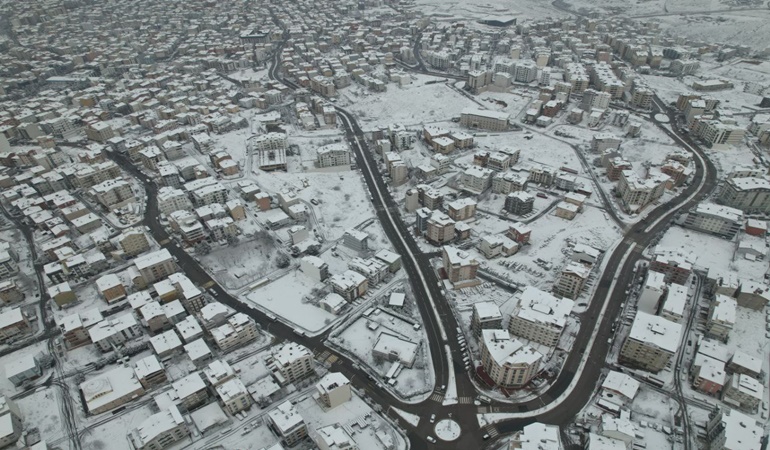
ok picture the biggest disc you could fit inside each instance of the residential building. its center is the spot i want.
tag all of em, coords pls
(636, 193)
(749, 194)
(440, 229)
(651, 342)
(334, 437)
(537, 436)
(714, 219)
(459, 265)
(10, 419)
(519, 203)
(477, 179)
(709, 376)
(520, 233)
(349, 284)
(333, 390)
(675, 266)
(155, 266)
(150, 372)
(493, 245)
(160, 430)
(13, 323)
(356, 240)
(731, 430)
(133, 242)
(572, 280)
(314, 267)
(393, 348)
(483, 119)
(744, 392)
(485, 316)
(234, 395)
(676, 300)
(721, 317)
(292, 362)
(22, 369)
(240, 329)
(539, 316)
(333, 155)
(461, 209)
(287, 423)
(508, 362)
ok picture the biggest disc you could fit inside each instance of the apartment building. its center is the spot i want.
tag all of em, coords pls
(651, 342)
(314, 267)
(483, 119)
(507, 182)
(110, 390)
(234, 395)
(160, 430)
(744, 392)
(133, 242)
(10, 421)
(519, 203)
(459, 265)
(291, 362)
(373, 269)
(173, 199)
(155, 266)
(731, 430)
(749, 194)
(508, 362)
(349, 284)
(461, 209)
(519, 233)
(493, 245)
(150, 372)
(286, 422)
(239, 330)
(572, 280)
(333, 155)
(714, 219)
(675, 266)
(636, 193)
(539, 316)
(477, 179)
(113, 194)
(485, 316)
(13, 323)
(721, 317)
(440, 228)
(333, 390)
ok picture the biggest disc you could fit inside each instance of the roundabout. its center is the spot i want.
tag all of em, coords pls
(447, 430)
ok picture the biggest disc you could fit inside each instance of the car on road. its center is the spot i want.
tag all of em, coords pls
(431, 439)
(485, 437)
(432, 418)
(314, 201)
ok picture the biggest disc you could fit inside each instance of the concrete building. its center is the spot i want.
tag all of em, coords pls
(651, 342)
(314, 267)
(483, 119)
(519, 203)
(440, 229)
(111, 390)
(333, 155)
(333, 390)
(750, 194)
(155, 266)
(539, 316)
(10, 419)
(485, 316)
(721, 317)
(159, 430)
(743, 392)
(719, 220)
(731, 430)
(508, 362)
(291, 362)
(349, 284)
(460, 266)
(239, 330)
(572, 280)
(234, 395)
(287, 423)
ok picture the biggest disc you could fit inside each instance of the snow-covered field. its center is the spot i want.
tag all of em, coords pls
(244, 263)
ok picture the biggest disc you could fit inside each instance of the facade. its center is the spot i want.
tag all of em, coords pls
(155, 266)
(349, 284)
(721, 317)
(732, 430)
(571, 280)
(519, 203)
(651, 343)
(240, 329)
(483, 119)
(111, 390)
(293, 362)
(333, 390)
(333, 155)
(287, 422)
(441, 228)
(508, 362)
(750, 194)
(719, 220)
(459, 265)
(539, 316)
(159, 430)
(485, 316)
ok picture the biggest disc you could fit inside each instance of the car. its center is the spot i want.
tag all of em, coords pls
(314, 201)
(432, 418)
(431, 439)
(443, 387)
(485, 437)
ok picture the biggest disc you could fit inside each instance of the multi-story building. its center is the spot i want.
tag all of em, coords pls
(676, 300)
(459, 265)
(505, 183)
(110, 390)
(155, 266)
(349, 284)
(292, 362)
(477, 179)
(485, 316)
(10, 420)
(675, 266)
(593, 99)
(133, 242)
(239, 330)
(333, 155)
(720, 220)
(750, 194)
(234, 395)
(731, 430)
(508, 362)
(743, 390)
(461, 209)
(441, 228)
(483, 119)
(651, 342)
(539, 316)
(150, 372)
(314, 267)
(519, 203)
(159, 430)
(721, 317)
(333, 390)
(572, 280)
(13, 322)
(173, 199)
(636, 193)
(113, 194)
(287, 423)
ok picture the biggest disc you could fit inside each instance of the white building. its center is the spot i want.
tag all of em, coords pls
(508, 362)
(539, 316)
